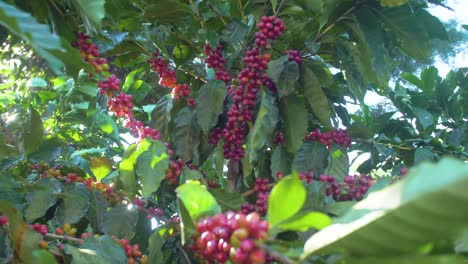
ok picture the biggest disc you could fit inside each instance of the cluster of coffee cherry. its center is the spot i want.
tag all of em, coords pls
(149, 132)
(167, 78)
(250, 78)
(294, 55)
(269, 29)
(150, 210)
(339, 137)
(133, 252)
(174, 171)
(231, 236)
(121, 105)
(215, 60)
(353, 187)
(90, 52)
(109, 86)
(262, 189)
(215, 135)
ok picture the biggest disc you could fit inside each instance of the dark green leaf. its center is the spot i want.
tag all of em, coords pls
(228, 200)
(423, 117)
(286, 199)
(161, 116)
(264, 126)
(156, 243)
(84, 256)
(106, 247)
(187, 133)
(42, 198)
(92, 12)
(284, 74)
(166, 11)
(49, 150)
(98, 205)
(75, 204)
(423, 154)
(280, 161)
(234, 32)
(311, 156)
(317, 99)
(209, 105)
(338, 162)
(120, 222)
(295, 117)
(358, 130)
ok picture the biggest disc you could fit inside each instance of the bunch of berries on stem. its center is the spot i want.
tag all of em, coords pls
(231, 236)
(339, 137)
(215, 60)
(262, 189)
(353, 187)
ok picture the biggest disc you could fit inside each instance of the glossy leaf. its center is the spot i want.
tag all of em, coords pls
(284, 74)
(100, 166)
(92, 12)
(127, 173)
(281, 161)
(161, 115)
(398, 219)
(286, 199)
(197, 200)
(33, 132)
(42, 198)
(106, 247)
(305, 221)
(338, 162)
(98, 206)
(227, 200)
(151, 166)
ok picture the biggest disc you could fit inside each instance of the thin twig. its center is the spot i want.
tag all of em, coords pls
(279, 7)
(202, 23)
(276, 255)
(67, 238)
(217, 12)
(184, 253)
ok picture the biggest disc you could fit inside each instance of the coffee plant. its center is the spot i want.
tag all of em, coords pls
(211, 131)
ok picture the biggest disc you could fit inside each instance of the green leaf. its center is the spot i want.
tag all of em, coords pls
(107, 125)
(127, 173)
(33, 131)
(49, 150)
(165, 11)
(85, 256)
(98, 205)
(197, 200)
(106, 247)
(358, 130)
(408, 30)
(100, 166)
(423, 117)
(210, 102)
(294, 114)
(75, 204)
(187, 133)
(44, 256)
(188, 174)
(338, 162)
(434, 27)
(264, 126)
(228, 200)
(305, 221)
(286, 199)
(161, 116)
(284, 74)
(151, 167)
(92, 12)
(42, 198)
(401, 218)
(311, 156)
(37, 82)
(314, 94)
(234, 32)
(156, 243)
(38, 35)
(120, 222)
(429, 78)
(280, 161)
(423, 154)
(392, 3)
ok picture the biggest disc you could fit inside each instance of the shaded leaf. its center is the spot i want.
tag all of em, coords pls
(187, 133)
(284, 74)
(33, 131)
(311, 156)
(125, 226)
(228, 200)
(280, 161)
(210, 102)
(75, 204)
(161, 115)
(295, 117)
(92, 12)
(41, 198)
(106, 247)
